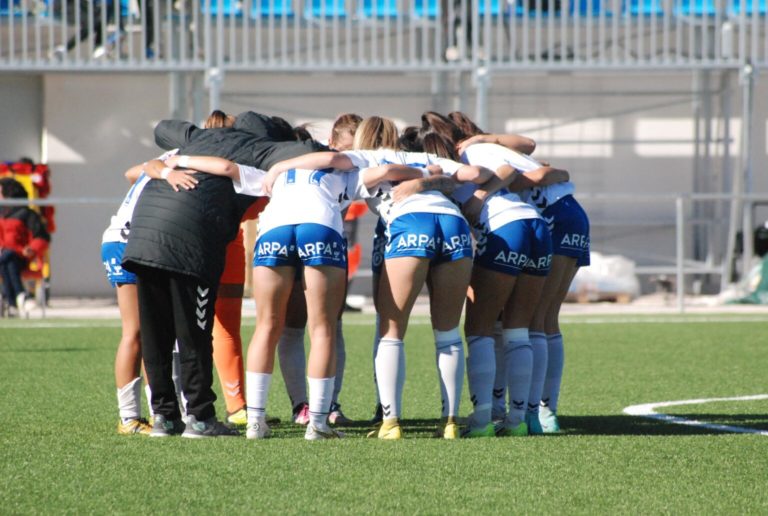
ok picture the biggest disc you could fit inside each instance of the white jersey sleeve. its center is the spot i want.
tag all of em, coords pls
(504, 206)
(425, 202)
(250, 181)
(120, 223)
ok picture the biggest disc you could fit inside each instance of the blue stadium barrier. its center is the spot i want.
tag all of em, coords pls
(8, 9)
(325, 8)
(267, 8)
(702, 8)
(644, 8)
(378, 9)
(750, 7)
(426, 9)
(228, 7)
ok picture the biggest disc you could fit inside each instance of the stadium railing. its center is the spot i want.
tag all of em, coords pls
(306, 35)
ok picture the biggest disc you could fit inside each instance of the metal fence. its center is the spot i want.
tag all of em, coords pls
(381, 35)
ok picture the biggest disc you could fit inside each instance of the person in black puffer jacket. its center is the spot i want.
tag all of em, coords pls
(177, 249)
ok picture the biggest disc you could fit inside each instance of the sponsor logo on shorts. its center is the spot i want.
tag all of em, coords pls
(323, 249)
(309, 250)
(273, 249)
(457, 242)
(575, 241)
(113, 267)
(543, 263)
(512, 258)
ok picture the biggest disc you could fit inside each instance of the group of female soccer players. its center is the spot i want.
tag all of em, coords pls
(488, 229)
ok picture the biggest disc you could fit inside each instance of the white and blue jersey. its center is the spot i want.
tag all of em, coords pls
(511, 237)
(115, 237)
(565, 217)
(302, 224)
(424, 225)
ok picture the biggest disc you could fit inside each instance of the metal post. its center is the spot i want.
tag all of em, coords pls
(748, 86)
(214, 78)
(178, 97)
(482, 83)
(726, 179)
(197, 97)
(680, 247)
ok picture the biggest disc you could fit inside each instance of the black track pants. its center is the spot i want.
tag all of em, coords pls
(175, 307)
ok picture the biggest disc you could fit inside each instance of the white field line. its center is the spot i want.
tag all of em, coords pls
(648, 410)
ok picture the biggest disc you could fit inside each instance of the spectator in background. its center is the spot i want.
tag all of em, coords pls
(23, 237)
(97, 17)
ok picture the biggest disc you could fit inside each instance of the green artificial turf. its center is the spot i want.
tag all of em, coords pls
(59, 452)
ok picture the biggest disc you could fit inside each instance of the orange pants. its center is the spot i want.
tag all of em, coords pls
(227, 343)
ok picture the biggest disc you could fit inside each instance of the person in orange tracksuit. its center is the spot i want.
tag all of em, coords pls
(227, 342)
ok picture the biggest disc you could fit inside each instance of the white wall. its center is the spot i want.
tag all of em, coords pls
(21, 113)
(99, 125)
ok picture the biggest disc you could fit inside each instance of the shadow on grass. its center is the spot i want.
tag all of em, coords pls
(634, 425)
(571, 426)
(44, 350)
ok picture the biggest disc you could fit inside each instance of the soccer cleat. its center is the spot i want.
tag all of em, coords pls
(204, 429)
(162, 427)
(21, 305)
(498, 415)
(519, 430)
(548, 420)
(534, 426)
(134, 426)
(258, 430)
(378, 415)
(447, 430)
(336, 416)
(314, 433)
(239, 418)
(488, 430)
(388, 430)
(301, 414)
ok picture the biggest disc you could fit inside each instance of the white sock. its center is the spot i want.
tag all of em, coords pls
(481, 365)
(554, 375)
(449, 353)
(148, 394)
(390, 376)
(293, 364)
(538, 371)
(320, 395)
(519, 361)
(499, 408)
(176, 377)
(256, 394)
(129, 400)
(341, 360)
(376, 340)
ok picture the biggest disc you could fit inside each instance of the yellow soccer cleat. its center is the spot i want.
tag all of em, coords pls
(451, 431)
(134, 426)
(238, 418)
(389, 430)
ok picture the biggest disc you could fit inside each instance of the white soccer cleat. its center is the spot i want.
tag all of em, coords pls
(258, 430)
(314, 433)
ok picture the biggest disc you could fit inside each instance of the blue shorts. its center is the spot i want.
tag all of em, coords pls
(111, 257)
(297, 245)
(522, 246)
(438, 237)
(379, 244)
(570, 229)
